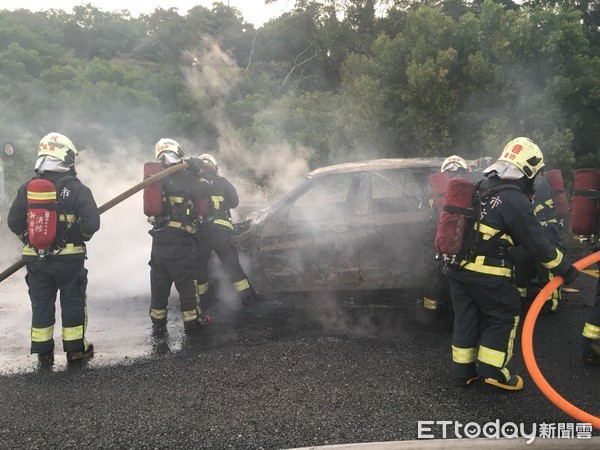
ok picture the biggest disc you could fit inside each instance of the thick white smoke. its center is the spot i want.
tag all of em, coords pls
(119, 276)
(119, 252)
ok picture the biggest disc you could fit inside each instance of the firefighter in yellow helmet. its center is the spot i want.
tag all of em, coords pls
(173, 255)
(216, 232)
(59, 265)
(486, 304)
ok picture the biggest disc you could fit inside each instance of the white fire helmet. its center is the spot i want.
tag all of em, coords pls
(521, 154)
(453, 163)
(210, 160)
(168, 151)
(59, 147)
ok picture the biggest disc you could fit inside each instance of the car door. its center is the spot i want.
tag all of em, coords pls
(390, 232)
(309, 242)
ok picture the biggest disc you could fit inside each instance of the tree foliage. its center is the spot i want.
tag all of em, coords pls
(346, 79)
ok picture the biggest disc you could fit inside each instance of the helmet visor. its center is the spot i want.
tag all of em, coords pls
(452, 167)
(505, 170)
(168, 158)
(47, 163)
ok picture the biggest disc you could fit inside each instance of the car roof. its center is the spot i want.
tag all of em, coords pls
(379, 164)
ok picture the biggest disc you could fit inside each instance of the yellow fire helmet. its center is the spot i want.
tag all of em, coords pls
(168, 151)
(58, 146)
(524, 154)
(454, 162)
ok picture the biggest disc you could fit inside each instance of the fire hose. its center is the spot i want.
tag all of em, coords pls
(529, 357)
(106, 206)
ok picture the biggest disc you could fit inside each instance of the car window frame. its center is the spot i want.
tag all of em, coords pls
(283, 215)
(414, 200)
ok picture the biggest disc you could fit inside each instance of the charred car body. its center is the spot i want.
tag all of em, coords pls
(350, 226)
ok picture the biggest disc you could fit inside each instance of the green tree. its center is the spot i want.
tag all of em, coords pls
(91, 32)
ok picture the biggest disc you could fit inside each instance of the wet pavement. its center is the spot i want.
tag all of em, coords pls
(293, 371)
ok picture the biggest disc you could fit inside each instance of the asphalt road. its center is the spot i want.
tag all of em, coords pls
(292, 372)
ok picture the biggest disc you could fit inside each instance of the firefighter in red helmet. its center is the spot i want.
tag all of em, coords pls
(486, 304)
(173, 255)
(59, 265)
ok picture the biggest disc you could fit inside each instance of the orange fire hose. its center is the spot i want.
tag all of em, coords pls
(527, 344)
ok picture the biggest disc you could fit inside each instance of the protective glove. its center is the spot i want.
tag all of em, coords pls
(195, 165)
(570, 275)
(24, 238)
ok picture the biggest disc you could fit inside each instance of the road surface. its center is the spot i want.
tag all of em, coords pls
(295, 371)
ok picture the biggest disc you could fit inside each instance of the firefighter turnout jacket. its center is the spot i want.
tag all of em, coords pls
(78, 218)
(223, 198)
(481, 282)
(508, 219)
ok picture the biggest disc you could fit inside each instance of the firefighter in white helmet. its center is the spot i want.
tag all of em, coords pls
(486, 304)
(216, 232)
(436, 293)
(59, 265)
(455, 165)
(173, 255)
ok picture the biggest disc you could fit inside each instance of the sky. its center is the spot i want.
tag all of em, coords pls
(253, 11)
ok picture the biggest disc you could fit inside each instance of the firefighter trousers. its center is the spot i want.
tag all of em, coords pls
(485, 326)
(45, 281)
(218, 239)
(174, 262)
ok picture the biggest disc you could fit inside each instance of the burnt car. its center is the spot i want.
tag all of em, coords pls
(350, 226)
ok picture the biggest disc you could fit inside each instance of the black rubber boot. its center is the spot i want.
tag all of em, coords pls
(81, 355)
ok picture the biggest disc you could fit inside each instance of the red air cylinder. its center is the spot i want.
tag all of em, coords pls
(458, 210)
(555, 181)
(584, 203)
(41, 214)
(439, 183)
(153, 194)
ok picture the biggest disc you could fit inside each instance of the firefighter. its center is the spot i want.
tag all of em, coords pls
(486, 304)
(455, 166)
(216, 232)
(526, 267)
(435, 292)
(483, 163)
(60, 268)
(591, 332)
(173, 254)
(584, 221)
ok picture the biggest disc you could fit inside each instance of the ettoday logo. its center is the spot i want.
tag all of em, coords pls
(449, 429)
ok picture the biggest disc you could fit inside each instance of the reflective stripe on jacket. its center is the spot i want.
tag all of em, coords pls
(507, 219)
